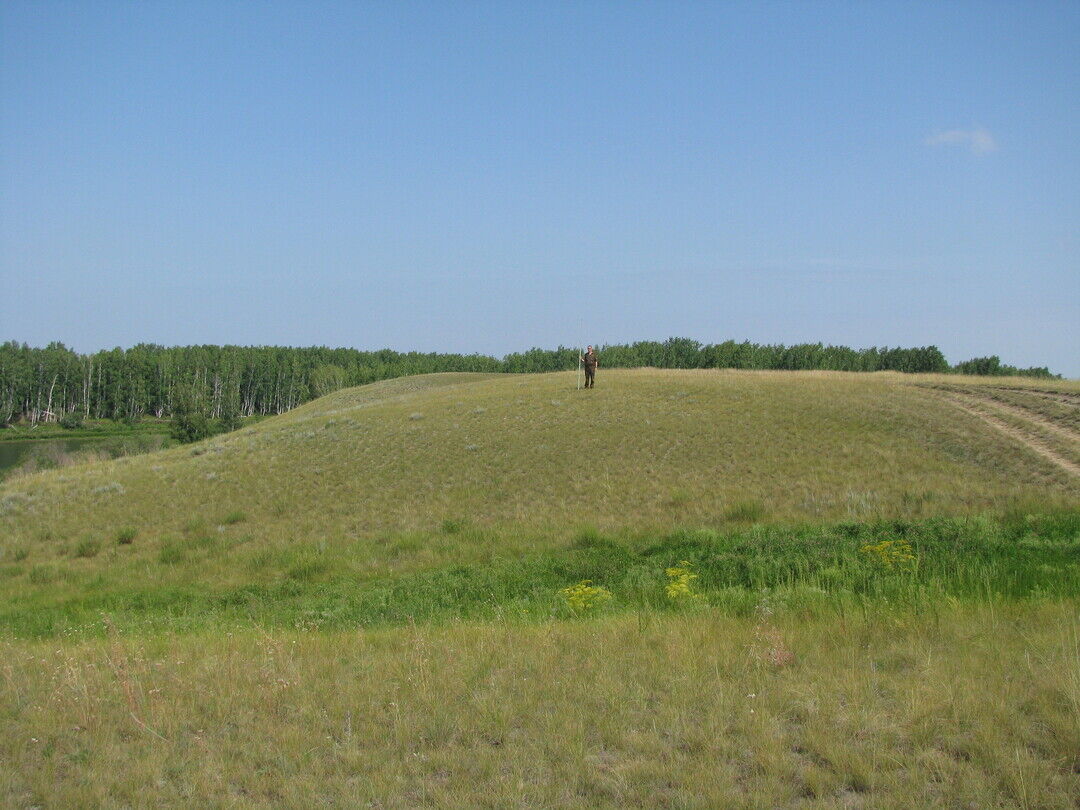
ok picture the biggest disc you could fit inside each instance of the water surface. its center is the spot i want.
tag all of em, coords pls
(12, 454)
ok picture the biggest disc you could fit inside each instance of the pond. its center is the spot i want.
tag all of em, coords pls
(15, 453)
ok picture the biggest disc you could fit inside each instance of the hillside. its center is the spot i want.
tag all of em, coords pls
(416, 474)
(647, 448)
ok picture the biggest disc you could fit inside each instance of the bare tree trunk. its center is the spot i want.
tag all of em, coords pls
(86, 389)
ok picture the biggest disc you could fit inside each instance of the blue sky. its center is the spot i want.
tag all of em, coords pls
(491, 177)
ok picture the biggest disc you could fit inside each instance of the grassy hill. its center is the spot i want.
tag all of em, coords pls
(411, 477)
(647, 448)
(443, 469)
(361, 602)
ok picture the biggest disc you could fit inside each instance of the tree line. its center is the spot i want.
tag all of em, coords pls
(226, 383)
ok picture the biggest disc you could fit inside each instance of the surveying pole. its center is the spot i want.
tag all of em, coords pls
(580, 370)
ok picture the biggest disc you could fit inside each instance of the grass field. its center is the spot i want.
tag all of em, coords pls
(682, 588)
(978, 707)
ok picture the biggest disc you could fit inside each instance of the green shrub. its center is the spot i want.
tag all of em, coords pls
(71, 421)
(229, 422)
(191, 427)
(125, 536)
(454, 525)
(233, 518)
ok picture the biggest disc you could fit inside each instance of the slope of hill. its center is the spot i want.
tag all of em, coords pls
(647, 448)
(411, 475)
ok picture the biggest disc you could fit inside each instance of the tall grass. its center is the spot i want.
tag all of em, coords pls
(812, 569)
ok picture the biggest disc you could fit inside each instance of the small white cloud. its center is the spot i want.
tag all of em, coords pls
(978, 140)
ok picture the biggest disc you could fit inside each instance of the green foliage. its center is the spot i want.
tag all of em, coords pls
(126, 536)
(685, 353)
(191, 427)
(229, 421)
(327, 378)
(993, 367)
(71, 421)
(233, 518)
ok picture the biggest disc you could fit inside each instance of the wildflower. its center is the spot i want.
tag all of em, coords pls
(584, 596)
(890, 554)
(679, 585)
(770, 648)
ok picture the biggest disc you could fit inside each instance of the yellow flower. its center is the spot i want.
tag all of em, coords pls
(679, 578)
(890, 553)
(585, 596)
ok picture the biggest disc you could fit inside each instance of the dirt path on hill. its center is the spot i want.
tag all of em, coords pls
(1068, 399)
(1072, 397)
(1036, 446)
(1031, 417)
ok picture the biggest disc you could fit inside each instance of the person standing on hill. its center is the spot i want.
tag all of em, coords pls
(590, 361)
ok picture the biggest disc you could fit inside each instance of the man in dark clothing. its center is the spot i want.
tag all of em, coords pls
(590, 361)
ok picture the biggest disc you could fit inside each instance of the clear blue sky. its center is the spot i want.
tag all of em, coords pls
(490, 177)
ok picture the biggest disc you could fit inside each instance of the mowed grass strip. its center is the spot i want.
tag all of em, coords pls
(976, 707)
(809, 569)
(1059, 407)
(647, 449)
(1045, 434)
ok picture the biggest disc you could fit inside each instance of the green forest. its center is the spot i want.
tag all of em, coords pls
(226, 383)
